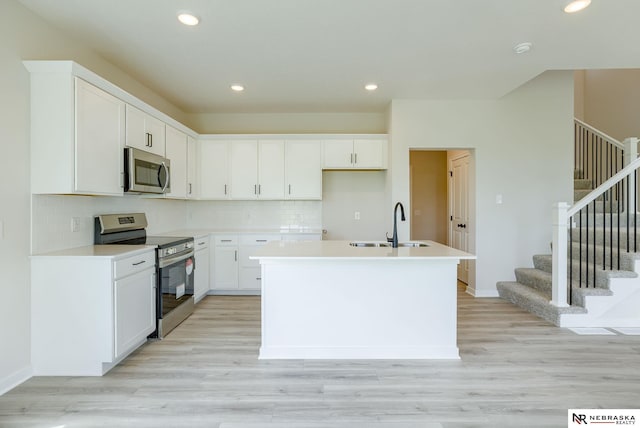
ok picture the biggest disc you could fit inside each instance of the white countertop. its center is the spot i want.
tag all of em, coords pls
(107, 251)
(342, 250)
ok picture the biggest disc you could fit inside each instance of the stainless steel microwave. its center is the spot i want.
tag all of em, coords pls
(145, 172)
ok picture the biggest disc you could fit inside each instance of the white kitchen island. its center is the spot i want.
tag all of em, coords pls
(328, 299)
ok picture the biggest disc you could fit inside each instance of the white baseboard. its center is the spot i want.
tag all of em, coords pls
(482, 293)
(15, 379)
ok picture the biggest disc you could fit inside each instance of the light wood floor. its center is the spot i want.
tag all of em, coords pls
(516, 370)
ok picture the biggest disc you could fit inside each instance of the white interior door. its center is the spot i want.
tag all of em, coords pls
(459, 225)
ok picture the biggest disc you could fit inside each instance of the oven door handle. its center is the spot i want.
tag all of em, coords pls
(168, 261)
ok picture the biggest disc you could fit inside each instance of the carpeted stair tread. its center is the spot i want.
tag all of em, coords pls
(543, 262)
(534, 301)
(534, 278)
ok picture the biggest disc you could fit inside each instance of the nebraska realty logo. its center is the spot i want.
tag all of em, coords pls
(582, 417)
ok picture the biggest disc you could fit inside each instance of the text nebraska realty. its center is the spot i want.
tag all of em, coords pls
(605, 419)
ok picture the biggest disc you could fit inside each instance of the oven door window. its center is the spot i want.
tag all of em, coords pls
(176, 285)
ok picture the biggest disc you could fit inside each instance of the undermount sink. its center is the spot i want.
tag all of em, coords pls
(414, 244)
(370, 244)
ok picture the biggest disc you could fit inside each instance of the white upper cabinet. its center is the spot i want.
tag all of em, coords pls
(257, 169)
(176, 152)
(145, 132)
(192, 168)
(359, 153)
(213, 168)
(244, 169)
(303, 170)
(271, 170)
(77, 136)
(99, 140)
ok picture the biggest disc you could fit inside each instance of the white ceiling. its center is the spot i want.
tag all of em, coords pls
(316, 55)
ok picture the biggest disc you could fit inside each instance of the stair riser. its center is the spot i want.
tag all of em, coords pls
(608, 235)
(543, 263)
(582, 184)
(532, 279)
(610, 257)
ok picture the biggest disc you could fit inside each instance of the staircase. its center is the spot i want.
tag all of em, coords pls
(603, 252)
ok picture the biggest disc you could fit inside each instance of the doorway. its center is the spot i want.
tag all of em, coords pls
(441, 200)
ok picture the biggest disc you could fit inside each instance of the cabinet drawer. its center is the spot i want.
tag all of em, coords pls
(224, 240)
(130, 265)
(201, 243)
(260, 239)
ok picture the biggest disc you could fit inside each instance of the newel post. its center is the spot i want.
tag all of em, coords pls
(631, 154)
(559, 257)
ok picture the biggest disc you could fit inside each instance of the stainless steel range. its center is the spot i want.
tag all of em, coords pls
(175, 265)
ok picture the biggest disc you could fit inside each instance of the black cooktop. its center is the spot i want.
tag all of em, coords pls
(166, 241)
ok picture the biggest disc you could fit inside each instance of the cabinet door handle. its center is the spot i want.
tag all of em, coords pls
(139, 263)
(201, 243)
(289, 188)
(259, 279)
(351, 159)
(147, 135)
(151, 138)
(261, 240)
(355, 158)
(255, 189)
(259, 189)
(225, 189)
(225, 240)
(190, 188)
(236, 255)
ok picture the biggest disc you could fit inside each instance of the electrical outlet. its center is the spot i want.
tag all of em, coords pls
(356, 215)
(75, 224)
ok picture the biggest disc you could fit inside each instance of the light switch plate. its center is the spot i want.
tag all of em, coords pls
(356, 215)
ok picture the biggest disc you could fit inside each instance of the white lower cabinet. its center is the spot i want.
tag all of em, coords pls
(201, 272)
(225, 262)
(233, 270)
(134, 309)
(249, 273)
(88, 310)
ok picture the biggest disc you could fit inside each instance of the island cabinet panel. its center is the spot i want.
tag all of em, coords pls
(330, 299)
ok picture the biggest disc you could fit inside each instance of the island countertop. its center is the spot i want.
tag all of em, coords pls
(343, 250)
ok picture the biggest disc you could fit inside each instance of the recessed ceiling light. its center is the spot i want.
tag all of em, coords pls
(576, 6)
(188, 19)
(237, 88)
(521, 48)
(371, 86)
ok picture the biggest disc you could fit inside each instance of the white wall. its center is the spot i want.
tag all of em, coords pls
(612, 101)
(23, 35)
(292, 123)
(344, 193)
(523, 151)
